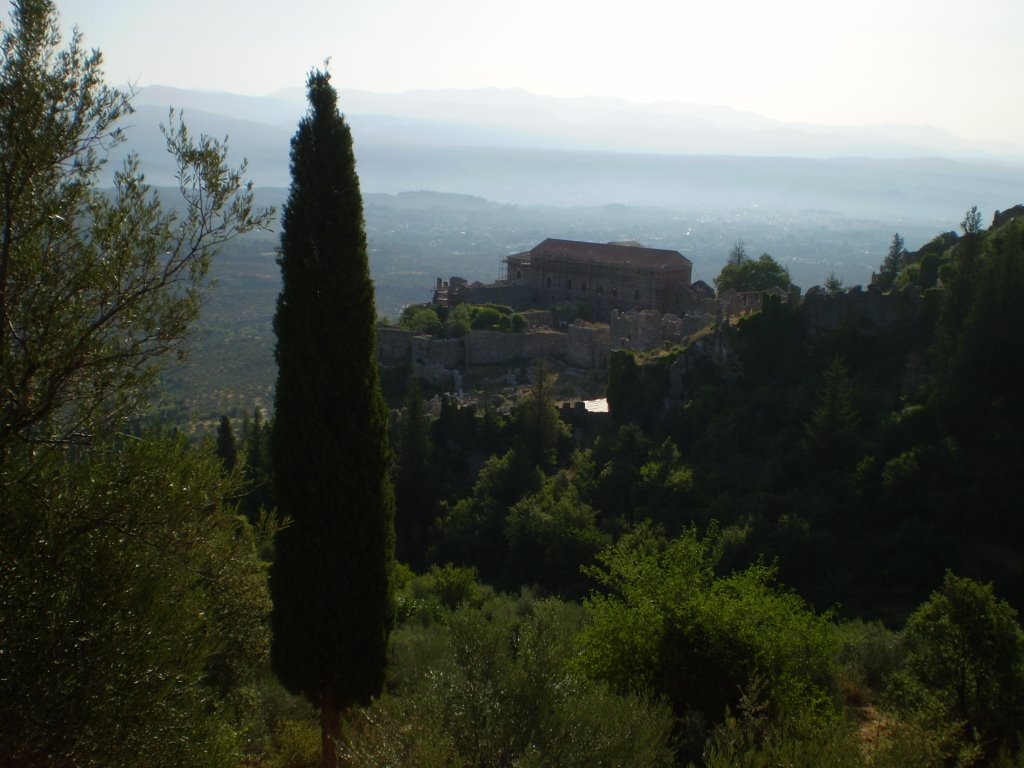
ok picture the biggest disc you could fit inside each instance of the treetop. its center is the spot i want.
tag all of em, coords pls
(323, 99)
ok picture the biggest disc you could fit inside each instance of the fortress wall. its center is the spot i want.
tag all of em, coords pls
(518, 295)
(587, 346)
(494, 347)
(393, 345)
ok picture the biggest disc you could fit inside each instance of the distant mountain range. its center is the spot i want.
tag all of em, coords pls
(516, 147)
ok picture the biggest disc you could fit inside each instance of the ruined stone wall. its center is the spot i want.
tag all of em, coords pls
(740, 303)
(712, 351)
(693, 324)
(588, 346)
(427, 350)
(393, 345)
(543, 343)
(516, 294)
(869, 310)
(645, 330)
(494, 347)
(539, 318)
(398, 346)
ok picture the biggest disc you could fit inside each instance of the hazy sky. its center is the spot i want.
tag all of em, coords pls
(953, 65)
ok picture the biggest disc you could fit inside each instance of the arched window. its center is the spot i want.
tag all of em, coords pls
(549, 282)
(519, 274)
(636, 295)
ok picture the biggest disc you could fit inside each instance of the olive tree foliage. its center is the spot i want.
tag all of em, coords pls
(96, 288)
(745, 274)
(663, 623)
(134, 619)
(965, 656)
(133, 602)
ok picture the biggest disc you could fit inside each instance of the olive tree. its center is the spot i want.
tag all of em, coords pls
(97, 287)
(133, 602)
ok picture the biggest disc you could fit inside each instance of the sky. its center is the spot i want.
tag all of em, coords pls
(950, 65)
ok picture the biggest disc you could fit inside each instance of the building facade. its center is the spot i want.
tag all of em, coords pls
(606, 275)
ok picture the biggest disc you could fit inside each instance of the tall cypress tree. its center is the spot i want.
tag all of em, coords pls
(333, 607)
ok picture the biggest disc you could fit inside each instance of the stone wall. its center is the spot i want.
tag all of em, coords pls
(517, 294)
(587, 345)
(712, 351)
(640, 331)
(867, 310)
(394, 345)
(539, 318)
(494, 347)
(427, 350)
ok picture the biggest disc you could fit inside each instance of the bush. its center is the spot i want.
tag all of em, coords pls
(490, 319)
(666, 625)
(498, 692)
(460, 322)
(869, 655)
(965, 653)
(421, 319)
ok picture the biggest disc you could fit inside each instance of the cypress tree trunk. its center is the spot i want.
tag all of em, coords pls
(330, 730)
(330, 581)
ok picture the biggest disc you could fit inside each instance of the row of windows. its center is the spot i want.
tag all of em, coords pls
(600, 289)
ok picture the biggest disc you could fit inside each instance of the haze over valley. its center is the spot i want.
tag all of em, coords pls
(454, 180)
(513, 168)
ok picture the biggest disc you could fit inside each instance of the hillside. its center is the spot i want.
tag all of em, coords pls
(416, 237)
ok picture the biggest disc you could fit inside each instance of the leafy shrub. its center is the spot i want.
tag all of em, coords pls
(460, 321)
(490, 319)
(550, 535)
(666, 625)
(869, 654)
(498, 692)
(421, 319)
(965, 655)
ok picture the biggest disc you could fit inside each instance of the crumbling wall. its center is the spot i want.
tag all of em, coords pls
(494, 347)
(517, 294)
(712, 351)
(640, 331)
(539, 318)
(588, 345)
(393, 345)
(869, 309)
(427, 350)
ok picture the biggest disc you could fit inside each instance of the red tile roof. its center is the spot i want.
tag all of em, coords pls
(610, 253)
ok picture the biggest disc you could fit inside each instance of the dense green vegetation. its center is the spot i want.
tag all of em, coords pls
(460, 320)
(852, 465)
(795, 542)
(133, 603)
(741, 273)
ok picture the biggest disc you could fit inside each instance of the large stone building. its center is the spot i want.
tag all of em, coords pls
(607, 275)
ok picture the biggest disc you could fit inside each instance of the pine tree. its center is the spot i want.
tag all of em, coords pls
(892, 264)
(415, 493)
(333, 607)
(227, 446)
(830, 437)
